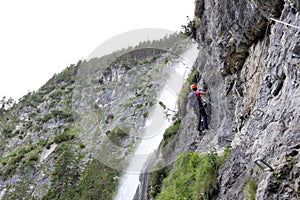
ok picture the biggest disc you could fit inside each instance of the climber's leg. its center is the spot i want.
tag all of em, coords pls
(204, 118)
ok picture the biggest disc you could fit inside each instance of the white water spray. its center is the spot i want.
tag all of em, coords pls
(155, 127)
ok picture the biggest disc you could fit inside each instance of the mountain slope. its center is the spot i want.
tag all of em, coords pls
(51, 139)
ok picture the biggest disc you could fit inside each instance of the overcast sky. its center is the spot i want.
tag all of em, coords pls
(39, 38)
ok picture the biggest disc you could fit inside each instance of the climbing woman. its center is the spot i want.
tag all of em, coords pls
(195, 102)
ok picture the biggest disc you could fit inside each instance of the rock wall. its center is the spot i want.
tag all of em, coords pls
(250, 64)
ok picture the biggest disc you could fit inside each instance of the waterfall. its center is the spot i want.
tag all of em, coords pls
(155, 126)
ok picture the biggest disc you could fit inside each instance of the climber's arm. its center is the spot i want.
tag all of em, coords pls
(202, 93)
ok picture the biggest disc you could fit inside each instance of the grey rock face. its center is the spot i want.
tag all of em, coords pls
(253, 81)
(230, 27)
(250, 64)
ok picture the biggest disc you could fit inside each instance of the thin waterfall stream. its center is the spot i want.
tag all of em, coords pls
(156, 125)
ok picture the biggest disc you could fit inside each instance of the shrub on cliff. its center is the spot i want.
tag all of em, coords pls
(193, 176)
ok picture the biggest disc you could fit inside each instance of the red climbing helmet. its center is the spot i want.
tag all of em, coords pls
(193, 86)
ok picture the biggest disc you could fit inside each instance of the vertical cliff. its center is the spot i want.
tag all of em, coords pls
(250, 63)
(249, 58)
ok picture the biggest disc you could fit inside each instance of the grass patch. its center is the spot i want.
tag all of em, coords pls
(193, 176)
(170, 133)
(250, 189)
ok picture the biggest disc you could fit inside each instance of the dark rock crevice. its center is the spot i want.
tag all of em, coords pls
(233, 26)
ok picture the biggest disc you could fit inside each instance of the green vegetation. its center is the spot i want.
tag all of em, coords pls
(57, 94)
(68, 74)
(58, 114)
(169, 113)
(36, 128)
(66, 174)
(170, 133)
(131, 146)
(190, 29)
(291, 160)
(145, 114)
(193, 77)
(27, 156)
(6, 103)
(250, 189)
(36, 98)
(193, 176)
(62, 134)
(68, 134)
(7, 121)
(44, 118)
(57, 84)
(277, 176)
(20, 189)
(98, 181)
(117, 135)
(138, 106)
(19, 159)
(7, 130)
(156, 179)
